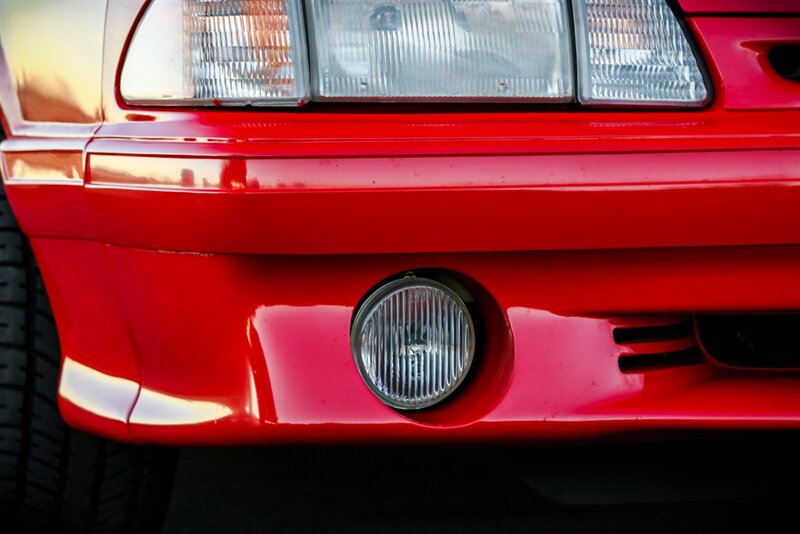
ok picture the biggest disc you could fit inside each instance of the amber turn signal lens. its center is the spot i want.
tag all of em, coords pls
(220, 52)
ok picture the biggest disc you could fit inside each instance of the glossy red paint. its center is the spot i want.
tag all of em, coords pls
(235, 348)
(204, 265)
(778, 7)
(450, 204)
(92, 328)
(740, 48)
(45, 165)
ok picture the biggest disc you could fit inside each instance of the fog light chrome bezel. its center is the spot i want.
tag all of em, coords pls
(371, 304)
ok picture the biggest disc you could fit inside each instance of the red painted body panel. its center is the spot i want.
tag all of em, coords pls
(740, 49)
(740, 6)
(91, 325)
(255, 348)
(204, 265)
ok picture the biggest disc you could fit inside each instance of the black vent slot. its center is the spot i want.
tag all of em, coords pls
(755, 341)
(657, 345)
(653, 334)
(785, 60)
(660, 360)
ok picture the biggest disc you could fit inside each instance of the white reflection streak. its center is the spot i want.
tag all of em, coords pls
(159, 409)
(101, 394)
(252, 404)
(112, 397)
(253, 401)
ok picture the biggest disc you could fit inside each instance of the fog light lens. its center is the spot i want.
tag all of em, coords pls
(413, 341)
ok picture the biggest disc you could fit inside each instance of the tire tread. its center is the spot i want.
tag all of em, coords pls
(54, 478)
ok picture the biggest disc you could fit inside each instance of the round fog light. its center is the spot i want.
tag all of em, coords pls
(413, 341)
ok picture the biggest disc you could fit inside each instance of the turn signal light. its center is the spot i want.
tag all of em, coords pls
(635, 52)
(220, 52)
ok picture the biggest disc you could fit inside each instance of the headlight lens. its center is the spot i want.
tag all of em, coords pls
(414, 342)
(448, 50)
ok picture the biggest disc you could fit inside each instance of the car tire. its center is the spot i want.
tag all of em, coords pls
(54, 478)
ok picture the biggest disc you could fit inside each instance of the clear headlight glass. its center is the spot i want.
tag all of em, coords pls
(389, 50)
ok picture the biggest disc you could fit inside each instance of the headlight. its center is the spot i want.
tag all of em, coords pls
(447, 50)
(254, 52)
(414, 342)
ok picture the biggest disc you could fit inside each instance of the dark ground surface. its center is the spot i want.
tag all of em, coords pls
(475, 490)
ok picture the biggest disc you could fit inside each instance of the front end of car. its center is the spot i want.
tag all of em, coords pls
(507, 221)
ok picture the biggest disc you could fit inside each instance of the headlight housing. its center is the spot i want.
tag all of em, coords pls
(255, 52)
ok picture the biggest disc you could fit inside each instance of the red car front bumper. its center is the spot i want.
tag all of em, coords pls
(204, 266)
(233, 348)
(221, 313)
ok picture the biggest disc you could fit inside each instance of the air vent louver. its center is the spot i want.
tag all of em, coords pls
(656, 343)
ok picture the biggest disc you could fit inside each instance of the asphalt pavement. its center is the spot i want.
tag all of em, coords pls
(412, 489)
